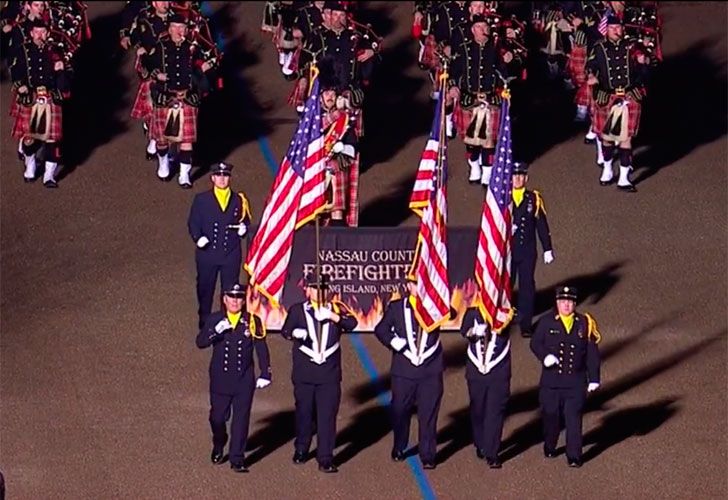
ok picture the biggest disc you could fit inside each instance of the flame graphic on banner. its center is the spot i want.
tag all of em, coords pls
(463, 296)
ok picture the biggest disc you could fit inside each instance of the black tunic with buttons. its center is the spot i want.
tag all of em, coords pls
(611, 63)
(232, 353)
(578, 354)
(341, 49)
(528, 220)
(208, 219)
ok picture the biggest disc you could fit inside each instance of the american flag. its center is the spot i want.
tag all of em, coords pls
(426, 171)
(433, 287)
(602, 26)
(493, 258)
(297, 197)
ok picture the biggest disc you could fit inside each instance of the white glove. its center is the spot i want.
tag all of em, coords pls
(223, 325)
(202, 242)
(322, 314)
(550, 361)
(593, 386)
(479, 330)
(242, 230)
(398, 343)
(299, 333)
(338, 147)
(514, 229)
(548, 256)
(262, 383)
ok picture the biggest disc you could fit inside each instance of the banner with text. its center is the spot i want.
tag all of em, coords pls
(367, 267)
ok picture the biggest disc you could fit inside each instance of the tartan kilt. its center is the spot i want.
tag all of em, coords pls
(15, 105)
(576, 67)
(426, 57)
(345, 190)
(188, 124)
(600, 114)
(21, 127)
(463, 119)
(143, 107)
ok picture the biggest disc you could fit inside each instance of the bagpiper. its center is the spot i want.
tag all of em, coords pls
(41, 84)
(175, 67)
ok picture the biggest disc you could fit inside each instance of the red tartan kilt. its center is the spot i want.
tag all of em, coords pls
(576, 65)
(143, 107)
(427, 56)
(14, 107)
(21, 127)
(189, 124)
(601, 113)
(463, 117)
(583, 95)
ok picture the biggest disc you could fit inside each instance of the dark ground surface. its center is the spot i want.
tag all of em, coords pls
(104, 394)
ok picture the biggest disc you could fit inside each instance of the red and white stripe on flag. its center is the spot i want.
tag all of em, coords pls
(293, 202)
(422, 191)
(433, 287)
(492, 264)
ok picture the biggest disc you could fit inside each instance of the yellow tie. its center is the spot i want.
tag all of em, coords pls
(567, 321)
(223, 197)
(234, 318)
(518, 196)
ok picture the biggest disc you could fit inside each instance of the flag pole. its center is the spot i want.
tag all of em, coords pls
(313, 74)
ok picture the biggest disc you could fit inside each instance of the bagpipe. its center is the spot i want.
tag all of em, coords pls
(71, 19)
(200, 35)
(643, 28)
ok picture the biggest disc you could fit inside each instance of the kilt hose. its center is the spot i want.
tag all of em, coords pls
(46, 124)
(478, 126)
(178, 125)
(622, 131)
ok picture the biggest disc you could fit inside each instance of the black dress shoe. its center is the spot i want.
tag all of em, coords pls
(494, 463)
(589, 141)
(186, 185)
(239, 467)
(526, 334)
(629, 188)
(398, 456)
(328, 468)
(549, 453)
(50, 184)
(150, 156)
(28, 180)
(429, 465)
(606, 183)
(480, 453)
(216, 456)
(300, 457)
(574, 462)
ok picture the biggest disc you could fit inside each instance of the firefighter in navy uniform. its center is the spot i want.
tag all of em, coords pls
(218, 219)
(529, 219)
(416, 376)
(315, 329)
(41, 81)
(488, 374)
(234, 334)
(566, 345)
